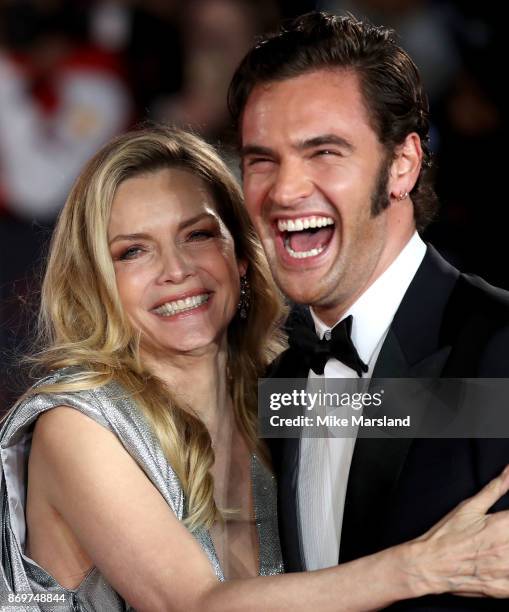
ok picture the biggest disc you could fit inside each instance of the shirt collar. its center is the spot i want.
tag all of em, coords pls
(375, 308)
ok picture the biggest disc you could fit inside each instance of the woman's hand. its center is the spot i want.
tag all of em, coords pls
(467, 552)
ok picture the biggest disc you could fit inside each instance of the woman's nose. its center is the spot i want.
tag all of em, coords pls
(175, 267)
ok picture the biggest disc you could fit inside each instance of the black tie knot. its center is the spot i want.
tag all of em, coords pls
(317, 352)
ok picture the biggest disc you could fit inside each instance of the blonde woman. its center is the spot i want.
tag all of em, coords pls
(131, 474)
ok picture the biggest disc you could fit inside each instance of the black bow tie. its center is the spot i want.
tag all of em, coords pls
(304, 340)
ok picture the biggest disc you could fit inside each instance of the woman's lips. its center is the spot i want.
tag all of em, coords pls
(188, 305)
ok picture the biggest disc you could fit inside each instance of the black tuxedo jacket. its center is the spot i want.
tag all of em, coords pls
(448, 325)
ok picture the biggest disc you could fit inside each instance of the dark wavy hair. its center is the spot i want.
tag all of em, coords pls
(390, 82)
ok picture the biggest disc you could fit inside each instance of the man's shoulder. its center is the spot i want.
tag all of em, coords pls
(472, 318)
(445, 309)
(443, 297)
(486, 324)
(486, 298)
(477, 294)
(479, 308)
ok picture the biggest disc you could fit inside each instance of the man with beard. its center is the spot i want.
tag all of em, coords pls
(333, 125)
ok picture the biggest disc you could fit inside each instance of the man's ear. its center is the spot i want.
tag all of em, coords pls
(406, 166)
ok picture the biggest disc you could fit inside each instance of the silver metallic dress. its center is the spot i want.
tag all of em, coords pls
(113, 409)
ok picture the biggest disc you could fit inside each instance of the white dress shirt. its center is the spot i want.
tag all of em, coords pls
(324, 463)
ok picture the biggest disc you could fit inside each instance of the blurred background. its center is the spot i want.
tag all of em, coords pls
(75, 73)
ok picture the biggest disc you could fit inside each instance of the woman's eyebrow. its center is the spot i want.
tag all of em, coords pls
(196, 218)
(138, 236)
(182, 225)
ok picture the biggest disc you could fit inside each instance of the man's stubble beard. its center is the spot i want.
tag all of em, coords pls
(380, 199)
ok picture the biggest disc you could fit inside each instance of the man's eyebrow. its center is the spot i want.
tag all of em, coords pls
(307, 143)
(182, 225)
(255, 150)
(323, 140)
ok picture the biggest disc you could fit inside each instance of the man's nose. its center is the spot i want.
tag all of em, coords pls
(291, 184)
(175, 266)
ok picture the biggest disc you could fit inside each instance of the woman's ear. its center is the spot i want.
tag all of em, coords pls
(242, 266)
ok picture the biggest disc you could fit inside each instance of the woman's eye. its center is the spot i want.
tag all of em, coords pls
(130, 253)
(200, 235)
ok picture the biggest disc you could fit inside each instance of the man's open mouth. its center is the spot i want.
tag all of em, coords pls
(305, 237)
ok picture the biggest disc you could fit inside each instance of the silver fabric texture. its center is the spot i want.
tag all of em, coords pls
(112, 408)
(265, 511)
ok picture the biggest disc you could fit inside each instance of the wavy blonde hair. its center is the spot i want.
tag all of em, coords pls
(82, 322)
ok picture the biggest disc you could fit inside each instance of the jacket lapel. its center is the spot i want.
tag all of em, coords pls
(413, 348)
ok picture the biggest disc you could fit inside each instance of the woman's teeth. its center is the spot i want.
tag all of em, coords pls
(172, 308)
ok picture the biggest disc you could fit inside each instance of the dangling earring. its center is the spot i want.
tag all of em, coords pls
(245, 297)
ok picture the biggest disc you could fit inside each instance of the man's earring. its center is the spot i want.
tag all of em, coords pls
(245, 297)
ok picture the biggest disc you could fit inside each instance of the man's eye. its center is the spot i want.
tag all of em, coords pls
(257, 161)
(130, 253)
(326, 152)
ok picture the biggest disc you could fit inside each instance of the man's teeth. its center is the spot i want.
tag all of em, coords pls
(303, 254)
(171, 308)
(303, 223)
(298, 225)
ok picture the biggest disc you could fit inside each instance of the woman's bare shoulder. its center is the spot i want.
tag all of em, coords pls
(115, 512)
(63, 422)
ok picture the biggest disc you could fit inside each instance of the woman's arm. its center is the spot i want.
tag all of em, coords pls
(132, 536)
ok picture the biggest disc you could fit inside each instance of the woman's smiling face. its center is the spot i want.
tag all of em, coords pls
(175, 265)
